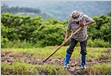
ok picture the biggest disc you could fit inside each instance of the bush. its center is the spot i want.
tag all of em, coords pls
(39, 32)
(15, 44)
(98, 43)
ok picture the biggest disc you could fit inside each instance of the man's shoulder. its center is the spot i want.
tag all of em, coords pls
(86, 16)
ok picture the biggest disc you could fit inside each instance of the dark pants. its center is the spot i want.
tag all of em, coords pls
(73, 43)
(71, 48)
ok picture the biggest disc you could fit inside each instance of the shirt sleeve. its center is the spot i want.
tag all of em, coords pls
(88, 19)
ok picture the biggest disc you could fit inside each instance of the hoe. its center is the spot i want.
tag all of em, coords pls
(78, 29)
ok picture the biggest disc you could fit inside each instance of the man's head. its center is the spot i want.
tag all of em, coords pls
(76, 15)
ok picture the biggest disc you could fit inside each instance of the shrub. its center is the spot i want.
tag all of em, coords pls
(15, 44)
(40, 32)
(98, 43)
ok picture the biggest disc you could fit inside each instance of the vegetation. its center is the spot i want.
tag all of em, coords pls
(28, 69)
(23, 11)
(18, 68)
(52, 70)
(93, 53)
(25, 31)
(97, 69)
(29, 35)
(22, 61)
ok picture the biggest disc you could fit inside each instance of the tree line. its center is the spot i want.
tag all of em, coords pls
(25, 31)
(23, 10)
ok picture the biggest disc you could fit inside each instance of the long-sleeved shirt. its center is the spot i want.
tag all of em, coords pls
(73, 25)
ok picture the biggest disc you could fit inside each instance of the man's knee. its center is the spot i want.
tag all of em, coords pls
(69, 51)
(83, 52)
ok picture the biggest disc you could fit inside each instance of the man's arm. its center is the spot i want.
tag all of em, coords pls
(88, 23)
(89, 20)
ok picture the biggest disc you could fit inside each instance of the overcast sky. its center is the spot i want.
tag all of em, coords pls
(53, 0)
(43, 1)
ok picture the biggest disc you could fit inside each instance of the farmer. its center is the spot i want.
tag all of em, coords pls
(77, 19)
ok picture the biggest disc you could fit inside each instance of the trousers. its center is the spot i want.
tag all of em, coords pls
(83, 51)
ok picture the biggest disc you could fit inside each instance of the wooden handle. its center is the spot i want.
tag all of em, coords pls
(62, 44)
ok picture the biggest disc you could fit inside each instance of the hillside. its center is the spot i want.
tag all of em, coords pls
(25, 11)
(61, 9)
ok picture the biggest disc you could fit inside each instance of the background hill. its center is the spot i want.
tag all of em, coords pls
(61, 9)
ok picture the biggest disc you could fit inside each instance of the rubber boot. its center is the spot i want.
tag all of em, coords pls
(66, 61)
(83, 62)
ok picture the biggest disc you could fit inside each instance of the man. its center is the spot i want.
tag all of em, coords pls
(78, 19)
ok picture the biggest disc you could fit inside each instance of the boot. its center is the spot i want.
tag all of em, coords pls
(66, 61)
(83, 62)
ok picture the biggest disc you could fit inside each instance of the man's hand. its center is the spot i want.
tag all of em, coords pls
(82, 24)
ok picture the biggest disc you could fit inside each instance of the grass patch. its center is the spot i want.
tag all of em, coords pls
(52, 70)
(18, 69)
(28, 69)
(92, 53)
(98, 69)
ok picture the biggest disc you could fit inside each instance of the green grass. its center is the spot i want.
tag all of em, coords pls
(53, 69)
(28, 69)
(93, 53)
(18, 69)
(98, 69)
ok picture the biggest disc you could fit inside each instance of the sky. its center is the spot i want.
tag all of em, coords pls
(52, 0)
(53, 7)
(28, 3)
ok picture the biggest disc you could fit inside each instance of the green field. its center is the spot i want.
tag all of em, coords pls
(28, 61)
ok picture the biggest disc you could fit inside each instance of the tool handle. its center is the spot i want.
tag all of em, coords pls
(62, 44)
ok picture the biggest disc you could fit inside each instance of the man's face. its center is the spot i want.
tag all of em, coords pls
(76, 15)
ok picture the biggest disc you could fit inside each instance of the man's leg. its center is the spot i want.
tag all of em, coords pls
(83, 52)
(69, 52)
